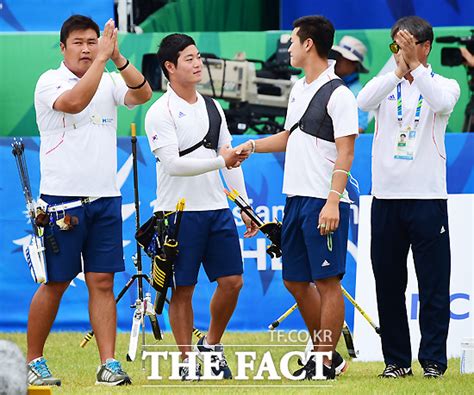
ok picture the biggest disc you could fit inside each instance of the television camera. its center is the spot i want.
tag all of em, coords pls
(257, 91)
(451, 56)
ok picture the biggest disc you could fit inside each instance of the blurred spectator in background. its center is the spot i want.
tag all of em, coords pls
(349, 55)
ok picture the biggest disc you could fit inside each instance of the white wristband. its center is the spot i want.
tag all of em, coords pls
(252, 143)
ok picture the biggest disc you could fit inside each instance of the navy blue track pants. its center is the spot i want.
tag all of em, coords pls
(422, 225)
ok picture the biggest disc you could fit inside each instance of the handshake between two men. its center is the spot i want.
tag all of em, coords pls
(234, 157)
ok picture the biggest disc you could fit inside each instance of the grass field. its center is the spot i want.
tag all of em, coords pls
(76, 367)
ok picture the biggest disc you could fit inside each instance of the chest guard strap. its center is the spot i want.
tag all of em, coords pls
(316, 120)
(211, 139)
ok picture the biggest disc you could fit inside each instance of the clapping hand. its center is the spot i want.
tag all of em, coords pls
(408, 50)
(107, 41)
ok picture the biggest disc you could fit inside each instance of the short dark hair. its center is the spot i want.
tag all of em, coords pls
(418, 27)
(170, 48)
(319, 29)
(77, 22)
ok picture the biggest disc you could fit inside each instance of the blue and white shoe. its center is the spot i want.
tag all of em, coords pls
(39, 373)
(185, 373)
(111, 373)
(219, 348)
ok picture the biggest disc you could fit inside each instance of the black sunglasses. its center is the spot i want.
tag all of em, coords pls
(394, 47)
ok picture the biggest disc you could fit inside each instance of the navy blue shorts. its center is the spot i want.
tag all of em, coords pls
(306, 256)
(97, 236)
(211, 238)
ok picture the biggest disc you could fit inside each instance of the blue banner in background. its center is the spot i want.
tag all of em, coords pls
(378, 14)
(48, 16)
(263, 297)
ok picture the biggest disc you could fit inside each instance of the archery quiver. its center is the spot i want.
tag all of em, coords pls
(159, 241)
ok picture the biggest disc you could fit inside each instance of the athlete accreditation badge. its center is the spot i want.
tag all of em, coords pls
(405, 144)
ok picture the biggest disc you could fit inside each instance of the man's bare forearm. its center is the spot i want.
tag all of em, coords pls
(76, 99)
(345, 156)
(275, 143)
(133, 78)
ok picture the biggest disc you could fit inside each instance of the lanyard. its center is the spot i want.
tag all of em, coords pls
(399, 108)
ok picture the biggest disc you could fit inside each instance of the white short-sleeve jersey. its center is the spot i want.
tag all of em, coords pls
(173, 121)
(309, 161)
(78, 153)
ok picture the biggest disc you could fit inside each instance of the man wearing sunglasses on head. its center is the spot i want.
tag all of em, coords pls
(409, 208)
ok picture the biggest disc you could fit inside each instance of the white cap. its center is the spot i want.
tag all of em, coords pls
(352, 49)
